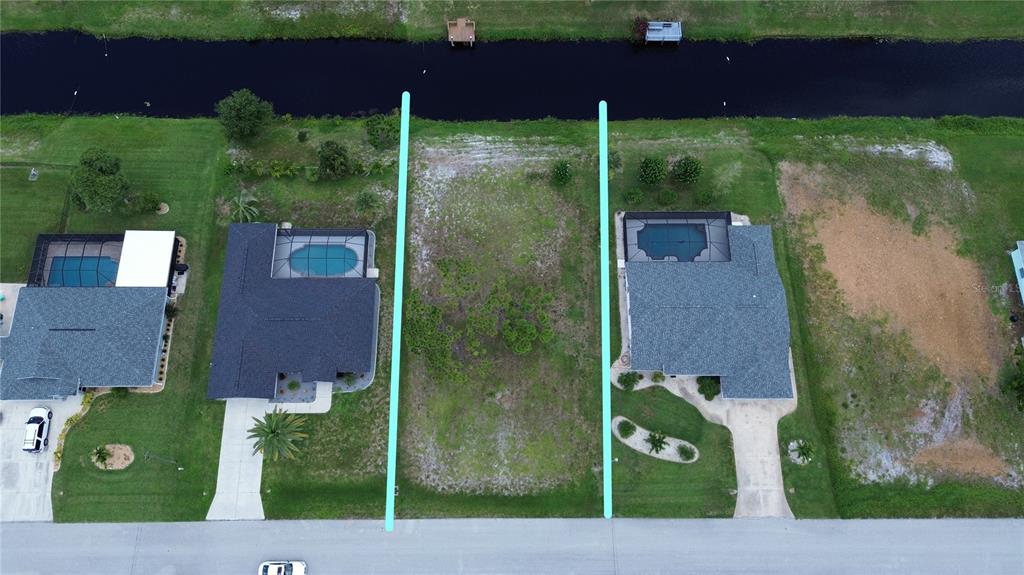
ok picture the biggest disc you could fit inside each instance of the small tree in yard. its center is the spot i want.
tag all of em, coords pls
(277, 434)
(383, 132)
(243, 114)
(686, 170)
(804, 451)
(101, 455)
(561, 173)
(656, 442)
(334, 160)
(629, 379)
(709, 386)
(97, 184)
(653, 171)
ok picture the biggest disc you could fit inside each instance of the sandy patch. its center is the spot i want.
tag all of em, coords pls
(962, 457)
(937, 296)
(121, 456)
(936, 156)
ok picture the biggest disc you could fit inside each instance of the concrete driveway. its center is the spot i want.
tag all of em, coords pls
(26, 478)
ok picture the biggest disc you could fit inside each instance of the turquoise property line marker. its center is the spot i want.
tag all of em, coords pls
(396, 325)
(606, 342)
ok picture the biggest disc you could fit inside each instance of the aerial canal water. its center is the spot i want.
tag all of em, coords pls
(69, 72)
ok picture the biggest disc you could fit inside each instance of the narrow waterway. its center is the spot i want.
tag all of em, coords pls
(70, 72)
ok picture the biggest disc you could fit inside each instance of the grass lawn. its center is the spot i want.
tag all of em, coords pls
(176, 159)
(423, 20)
(648, 487)
(27, 209)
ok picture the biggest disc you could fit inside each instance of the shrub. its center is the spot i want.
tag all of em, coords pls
(657, 377)
(804, 451)
(243, 207)
(653, 171)
(302, 136)
(1011, 382)
(920, 224)
(626, 429)
(334, 160)
(561, 173)
(686, 170)
(709, 386)
(142, 203)
(704, 196)
(383, 132)
(243, 114)
(367, 201)
(635, 196)
(119, 392)
(686, 453)
(97, 183)
(667, 196)
(294, 385)
(170, 311)
(614, 160)
(656, 442)
(629, 379)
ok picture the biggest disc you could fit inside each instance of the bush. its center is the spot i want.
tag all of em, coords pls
(704, 196)
(656, 442)
(920, 224)
(653, 171)
(334, 161)
(657, 377)
(142, 203)
(561, 173)
(243, 114)
(383, 132)
(367, 201)
(614, 160)
(170, 311)
(629, 379)
(302, 136)
(626, 429)
(709, 386)
(294, 385)
(667, 196)
(119, 392)
(635, 196)
(686, 170)
(1011, 382)
(97, 183)
(686, 453)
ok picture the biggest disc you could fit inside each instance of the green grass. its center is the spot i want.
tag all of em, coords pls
(424, 20)
(176, 159)
(648, 487)
(26, 209)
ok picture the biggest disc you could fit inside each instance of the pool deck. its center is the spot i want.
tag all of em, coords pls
(10, 301)
(359, 245)
(715, 232)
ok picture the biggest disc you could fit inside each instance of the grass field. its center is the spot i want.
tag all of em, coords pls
(28, 208)
(423, 20)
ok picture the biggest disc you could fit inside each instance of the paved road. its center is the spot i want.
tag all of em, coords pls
(590, 546)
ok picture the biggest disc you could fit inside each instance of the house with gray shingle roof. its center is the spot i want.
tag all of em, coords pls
(704, 298)
(301, 304)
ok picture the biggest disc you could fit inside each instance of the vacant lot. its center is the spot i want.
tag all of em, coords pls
(500, 394)
(423, 20)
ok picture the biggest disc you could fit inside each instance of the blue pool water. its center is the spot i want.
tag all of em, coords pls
(82, 271)
(684, 241)
(323, 261)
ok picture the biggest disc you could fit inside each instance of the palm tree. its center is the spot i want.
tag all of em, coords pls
(277, 434)
(243, 207)
(101, 454)
(657, 442)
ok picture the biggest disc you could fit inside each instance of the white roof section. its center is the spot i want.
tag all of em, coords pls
(145, 258)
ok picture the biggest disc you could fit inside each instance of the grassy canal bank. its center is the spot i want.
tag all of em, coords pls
(903, 408)
(423, 20)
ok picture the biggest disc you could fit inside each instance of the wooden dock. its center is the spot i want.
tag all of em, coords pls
(461, 31)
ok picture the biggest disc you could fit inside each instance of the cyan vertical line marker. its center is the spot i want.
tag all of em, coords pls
(396, 325)
(606, 342)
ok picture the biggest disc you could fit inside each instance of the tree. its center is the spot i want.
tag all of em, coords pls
(686, 170)
(277, 434)
(243, 114)
(804, 451)
(656, 442)
(334, 160)
(383, 132)
(367, 201)
(142, 203)
(653, 171)
(97, 184)
(561, 173)
(101, 455)
(243, 207)
(628, 380)
(709, 386)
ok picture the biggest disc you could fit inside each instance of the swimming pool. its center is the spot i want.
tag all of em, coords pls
(82, 271)
(320, 260)
(683, 241)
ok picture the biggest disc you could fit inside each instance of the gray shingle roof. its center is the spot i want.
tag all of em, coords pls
(266, 326)
(715, 318)
(65, 338)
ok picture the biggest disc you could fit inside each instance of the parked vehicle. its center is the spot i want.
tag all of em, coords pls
(282, 568)
(37, 430)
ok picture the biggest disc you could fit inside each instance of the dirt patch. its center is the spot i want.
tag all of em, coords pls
(962, 457)
(121, 456)
(918, 281)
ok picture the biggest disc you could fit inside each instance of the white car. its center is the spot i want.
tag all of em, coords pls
(282, 568)
(37, 430)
